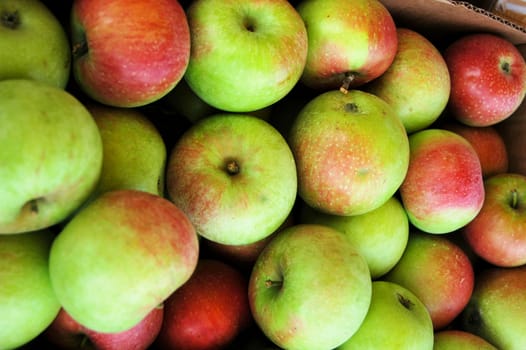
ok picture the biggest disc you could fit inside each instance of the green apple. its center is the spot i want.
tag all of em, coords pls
(51, 155)
(443, 189)
(351, 151)
(245, 55)
(310, 288)
(134, 150)
(234, 175)
(454, 339)
(380, 235)
(438, 272)
(120, 257)
(28, 304)
(396, 319)
(417, 83)
(33, 43)
(496, 309)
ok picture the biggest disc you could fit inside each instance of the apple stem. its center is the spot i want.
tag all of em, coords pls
(80, 49)
(346, 83)
(514, 199)
(10, 20)
(408, 304)
(232, 167)
(271, 283)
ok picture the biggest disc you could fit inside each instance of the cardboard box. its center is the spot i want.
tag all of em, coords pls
(514, 10)
(442, 21)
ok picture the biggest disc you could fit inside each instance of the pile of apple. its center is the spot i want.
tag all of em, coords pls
(252, 174)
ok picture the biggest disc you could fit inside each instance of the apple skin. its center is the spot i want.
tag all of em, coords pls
(351, 152)
(28, 303)
(443, 189)
(33, 43)
(129, 53)
(496, 308)
(498, 233)
(438, 272)
(309, 288)
(263, 65)
(120, 257)
(396, 319)
(488, 78)
(51, 155)
(417, 84)
(65, 333)
(350, 42)
(454, 339)
(209, 311)
(380, 235)
(489, 144)
(234, 175)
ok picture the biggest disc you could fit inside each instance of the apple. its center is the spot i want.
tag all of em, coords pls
(245, 55)
(498, 233)
(33, 43)
(454, 339)
(380, 235)
(310, 288)
(120, 257)
(51, 155)
(209, 311)
(351, 152)
(489, 144)
(443, 189)
(65, 333)
(396, 319)
(351, 42)
(417, 84)
(134, 150)
(234, 175)
(496, 309)
(129, 53)
(28, 303)
(488, 78)
(438, 272)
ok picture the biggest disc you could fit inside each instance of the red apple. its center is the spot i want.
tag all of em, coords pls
(65, 333)
(129, 53)
(438, 272)
(489, 145)
(488, 78)
(208, 311)
(443, 189)
(350, 42)
(498, 233)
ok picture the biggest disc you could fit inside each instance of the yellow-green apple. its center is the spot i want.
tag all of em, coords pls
(51, 155)
(488, 78)
(65, 333)
(310, 288)
(28, 303)
(350, 42)
(417, 83)
(33, 43)
(129, 53)
(234, 175)
(351, 152)
(496, 309)
(455, 339)
(498, 233)
(438, 272)
(120, 257)
(209, 311)
(489, 144)
(396, 319)
(134, 150)
(380, 235)
(443, 189)
(246, 54)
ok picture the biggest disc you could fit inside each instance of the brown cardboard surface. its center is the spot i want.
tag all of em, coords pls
(443, 20)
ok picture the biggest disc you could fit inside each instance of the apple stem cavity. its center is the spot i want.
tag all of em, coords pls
(10, 20)
(33, 204)
(80, 49)
(232, 167)
(505, 67)
(514, 199)
(408, 304)
(249, 25)
(271, 283)
(347, 81)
